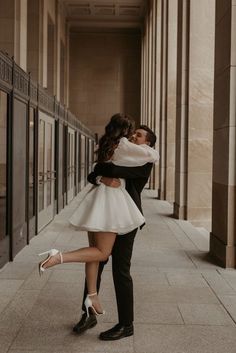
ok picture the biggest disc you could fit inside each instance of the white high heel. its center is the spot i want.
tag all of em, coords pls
(50, 253)
(88, 304)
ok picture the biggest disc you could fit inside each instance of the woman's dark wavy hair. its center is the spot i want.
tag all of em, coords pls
(120, 125)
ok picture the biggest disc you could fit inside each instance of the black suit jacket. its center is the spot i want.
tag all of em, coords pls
(136, 177)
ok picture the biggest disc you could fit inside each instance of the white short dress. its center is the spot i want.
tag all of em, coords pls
(108, 209)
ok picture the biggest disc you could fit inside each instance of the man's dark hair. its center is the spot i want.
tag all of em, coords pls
(151, 137)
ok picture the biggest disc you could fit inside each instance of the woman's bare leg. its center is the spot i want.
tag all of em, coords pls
(104, 242)
(100, 252)
(91, 268)
(101, 244)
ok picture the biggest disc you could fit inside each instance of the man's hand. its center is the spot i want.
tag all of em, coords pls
(112, 182)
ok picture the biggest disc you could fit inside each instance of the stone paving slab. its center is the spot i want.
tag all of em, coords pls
(176, 295)
(60, 337)
(10, 286)
(184, 339)
(188, 280)
(218, 284)
(205, 314)
(229, 302)
(16, 270)
(184, 302)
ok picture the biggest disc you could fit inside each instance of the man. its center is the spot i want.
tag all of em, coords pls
(136, 178)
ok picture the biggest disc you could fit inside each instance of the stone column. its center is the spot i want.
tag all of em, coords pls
(150, 66)
(58, 49)
(142, 75)
(152, 125)
(153, 58)
(223, 236)
(163, 100)
(171, 99)
(147, 68)
(180, 204)
(200, 116)
(158, 15)
(67, 73)
(20, 37)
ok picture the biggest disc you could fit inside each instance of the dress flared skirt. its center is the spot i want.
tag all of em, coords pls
(107, 209)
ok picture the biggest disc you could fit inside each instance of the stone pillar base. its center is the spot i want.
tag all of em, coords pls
(224, 254)
(180, 212)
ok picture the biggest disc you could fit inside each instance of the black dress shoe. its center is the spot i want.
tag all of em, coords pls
(85, 323)
(117, 332)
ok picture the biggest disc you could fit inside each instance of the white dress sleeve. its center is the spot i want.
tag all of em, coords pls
(128, 154)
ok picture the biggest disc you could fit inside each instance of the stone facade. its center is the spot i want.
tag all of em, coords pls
(104, 76)
(173, 70)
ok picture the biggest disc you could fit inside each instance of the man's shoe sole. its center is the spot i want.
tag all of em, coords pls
(84, 329)
(115, 338)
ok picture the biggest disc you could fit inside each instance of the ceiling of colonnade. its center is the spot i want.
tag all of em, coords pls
(115, 14)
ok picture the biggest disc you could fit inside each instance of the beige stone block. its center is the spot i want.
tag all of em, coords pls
(201, 86)
(223, 43)
(170, 154)
(199, 190)
(200, 121)
(99, 72)
(171, 134)
(199, 215)
(200, 156)
(170, 179)
(201, 50)
(170, 195)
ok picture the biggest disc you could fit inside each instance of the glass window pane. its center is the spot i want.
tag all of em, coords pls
(19, 165)
(3, 163)
(68, 162)
(49, 164)
(41, 163)
(31, 164)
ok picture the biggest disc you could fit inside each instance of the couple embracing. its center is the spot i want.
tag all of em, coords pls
(111, 214)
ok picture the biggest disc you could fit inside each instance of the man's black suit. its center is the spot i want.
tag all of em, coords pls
(136, 178)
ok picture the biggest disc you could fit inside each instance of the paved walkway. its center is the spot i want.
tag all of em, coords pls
(183, 302)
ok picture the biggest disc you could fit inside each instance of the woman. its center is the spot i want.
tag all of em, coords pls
(105, 212)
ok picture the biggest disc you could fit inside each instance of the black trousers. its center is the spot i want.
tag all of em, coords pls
(121, 263)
